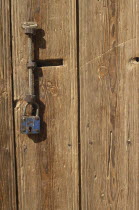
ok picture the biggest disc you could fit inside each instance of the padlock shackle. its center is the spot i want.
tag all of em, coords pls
(33, 103)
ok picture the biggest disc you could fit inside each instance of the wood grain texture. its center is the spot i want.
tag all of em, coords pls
(47, 164)
(109, 38)
(7, 160)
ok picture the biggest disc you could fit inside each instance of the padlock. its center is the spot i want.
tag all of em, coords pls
(30, 124)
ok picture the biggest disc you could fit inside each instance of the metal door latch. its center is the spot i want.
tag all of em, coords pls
(30, 124)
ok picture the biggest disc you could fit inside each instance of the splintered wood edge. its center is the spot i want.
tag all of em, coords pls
(29, 25)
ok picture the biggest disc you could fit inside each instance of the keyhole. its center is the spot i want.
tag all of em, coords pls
(135, 60)
(30, 129)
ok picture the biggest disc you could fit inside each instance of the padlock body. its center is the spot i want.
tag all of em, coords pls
(30, 124)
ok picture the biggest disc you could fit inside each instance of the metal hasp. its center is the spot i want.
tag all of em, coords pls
(30, 124)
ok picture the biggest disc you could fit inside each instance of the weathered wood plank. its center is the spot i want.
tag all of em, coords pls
(48, 165)
(7, 163)
(109, 104)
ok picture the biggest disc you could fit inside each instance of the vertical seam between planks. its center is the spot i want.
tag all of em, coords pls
(12, 85)
(78, 87)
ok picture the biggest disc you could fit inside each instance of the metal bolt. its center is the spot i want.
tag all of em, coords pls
(30, 31)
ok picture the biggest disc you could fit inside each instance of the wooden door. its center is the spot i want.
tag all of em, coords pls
(109, 116)
(7, 147)
(47, 165)
(86, 155)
